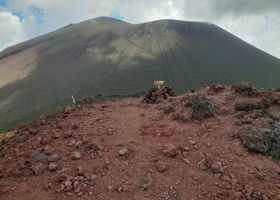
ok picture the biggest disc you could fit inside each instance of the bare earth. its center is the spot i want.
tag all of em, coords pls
(125, 149)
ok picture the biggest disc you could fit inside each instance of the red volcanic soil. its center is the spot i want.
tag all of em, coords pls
(126, 149)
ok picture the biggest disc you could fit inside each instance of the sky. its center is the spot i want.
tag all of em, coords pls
(255, 21)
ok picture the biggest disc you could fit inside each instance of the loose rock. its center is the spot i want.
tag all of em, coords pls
(249, 105)
(123, 152)
(266, 141)
(76, 155)
(71, 143)
(246, 120)
(245, 89)
(161, 167)
(192, 142)
(170, 150)
(147, 182)
(81, 170)
(53, 158)
(53, 167)
(201, 107)
(38, 169)
(186, 160)
(39, 156)
(68, 183)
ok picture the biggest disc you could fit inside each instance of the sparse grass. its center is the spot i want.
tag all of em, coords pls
(187, 104)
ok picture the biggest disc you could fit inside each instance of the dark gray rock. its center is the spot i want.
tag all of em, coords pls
(245, 89)
(38, 169)
(257, 113)
(155, 94)
(270, 121)
(270, 100)
(257, 140)
(249, 105)
(39, 156)
(266, 141)
(241, 114)
(274, 117)
(53, 158)
(201, 107)
(93, 178)
(43, 157)
(246, 120)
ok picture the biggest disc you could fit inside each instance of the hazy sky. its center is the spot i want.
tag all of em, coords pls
(255, 21)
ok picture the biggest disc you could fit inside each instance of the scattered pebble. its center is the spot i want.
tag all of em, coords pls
(68, 183)
(78, 144)
(161, 167)
(81, 170)
(92, 177)
(38, 169)
(110, 132)
(53, 167)
(74, 127)
(123, 152)
(71, 143)
(192, 142)
(76, 155)
(170, 150)
(53, 158)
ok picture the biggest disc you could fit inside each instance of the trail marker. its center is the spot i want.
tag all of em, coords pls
(74, 102)
(158, 83)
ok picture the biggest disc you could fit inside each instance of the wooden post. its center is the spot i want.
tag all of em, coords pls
(74, 102)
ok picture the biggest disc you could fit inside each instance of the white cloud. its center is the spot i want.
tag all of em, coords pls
(11, 29)
(255, 29)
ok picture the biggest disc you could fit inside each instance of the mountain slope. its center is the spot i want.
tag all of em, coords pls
(110, 57)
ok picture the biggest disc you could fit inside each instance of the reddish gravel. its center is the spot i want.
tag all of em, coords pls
(125, 149)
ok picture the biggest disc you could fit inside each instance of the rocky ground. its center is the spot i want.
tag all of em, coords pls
(219, 142)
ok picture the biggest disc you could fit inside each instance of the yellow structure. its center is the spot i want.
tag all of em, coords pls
(158, 83)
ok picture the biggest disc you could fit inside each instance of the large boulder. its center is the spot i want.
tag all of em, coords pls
(201, 107)
(265, 141)
(259, 140)
(216, 88)
(155, 94)
(244, 89)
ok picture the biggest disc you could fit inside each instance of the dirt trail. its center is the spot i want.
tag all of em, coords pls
(125, 149)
